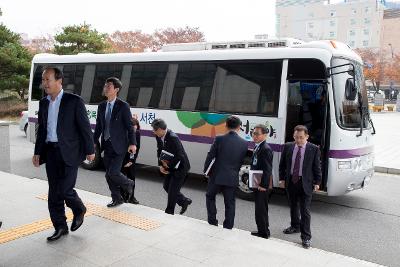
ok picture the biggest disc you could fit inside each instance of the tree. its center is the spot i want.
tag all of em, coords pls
(129, 42)
(80, 38)
(374, 66)
(44, 44)
(15, 62)
(393, 70)
(179, 35)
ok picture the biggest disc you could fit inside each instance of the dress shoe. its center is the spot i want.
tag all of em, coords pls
(255, 233)
(57, 234)
(133, 200)
(185, 206)
(213, 223)
(78, 220)
(306, 243)
(114, 203)
(291, 230)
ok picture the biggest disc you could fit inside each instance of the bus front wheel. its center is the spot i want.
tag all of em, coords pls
(243, 190)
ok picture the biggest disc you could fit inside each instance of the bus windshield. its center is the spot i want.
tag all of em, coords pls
(348, 111)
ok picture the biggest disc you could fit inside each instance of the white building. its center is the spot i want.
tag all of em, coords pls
(357, 23)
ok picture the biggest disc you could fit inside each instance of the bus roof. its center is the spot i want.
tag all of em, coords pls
(322, 50)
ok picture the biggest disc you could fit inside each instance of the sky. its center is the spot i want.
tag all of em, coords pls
(219, 20)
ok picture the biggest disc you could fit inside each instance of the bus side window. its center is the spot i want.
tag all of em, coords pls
(73, 78)
(146, 84)
(37, 92)
(193, 86)
(103, 71)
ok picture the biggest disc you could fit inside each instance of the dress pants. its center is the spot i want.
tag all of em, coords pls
(115, 179)
(173, 183)
(229, 200)
(300, 209)
(61, 179)
(261, 211)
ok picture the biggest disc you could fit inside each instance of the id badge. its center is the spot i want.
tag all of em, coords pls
(255, 161)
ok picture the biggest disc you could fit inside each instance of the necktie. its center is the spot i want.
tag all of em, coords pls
(107, 123)
(296, 167)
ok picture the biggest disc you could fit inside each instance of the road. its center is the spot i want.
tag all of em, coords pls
(363, 224)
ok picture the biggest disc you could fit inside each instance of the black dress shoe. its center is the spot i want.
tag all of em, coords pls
(291, 230)
(78, 220)
(185, 206)
(255, 233)
(57, 234)
(133, 200)
(213, 223)
(306, 243)
(114, 203)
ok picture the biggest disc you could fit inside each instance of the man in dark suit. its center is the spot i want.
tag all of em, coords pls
(114, 124)
(300, 173)
(64, 138)
(229, 151)
(262, 160)
(176, 168)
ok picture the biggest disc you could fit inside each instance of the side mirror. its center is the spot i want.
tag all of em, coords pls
(350, 90)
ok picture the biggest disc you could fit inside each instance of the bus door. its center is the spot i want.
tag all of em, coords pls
(308, 105)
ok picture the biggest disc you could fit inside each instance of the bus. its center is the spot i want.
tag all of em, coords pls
(194, 88)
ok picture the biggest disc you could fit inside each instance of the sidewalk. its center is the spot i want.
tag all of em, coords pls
(387, 141)
(143, 237)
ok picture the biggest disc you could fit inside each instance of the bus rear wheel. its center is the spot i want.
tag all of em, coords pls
(243, 190)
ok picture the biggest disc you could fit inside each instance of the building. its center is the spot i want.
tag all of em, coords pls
(357, 23)
(390, 41)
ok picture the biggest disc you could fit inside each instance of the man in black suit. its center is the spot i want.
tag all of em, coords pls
(64, 138)
(300, 173)
(114, 124)
(229, 151)
(176, 168)
(262, 160)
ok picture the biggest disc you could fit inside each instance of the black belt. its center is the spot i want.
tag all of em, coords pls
(53, 144)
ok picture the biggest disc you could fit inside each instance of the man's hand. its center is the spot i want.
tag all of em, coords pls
(35, 160)
(163, 171)
(164, 164)
(127, 165)
(316, 187)
(90, 157)
(132, 149)
(282, 183)
(262, 189)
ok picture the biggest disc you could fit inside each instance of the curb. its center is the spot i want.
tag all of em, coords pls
(387, 170)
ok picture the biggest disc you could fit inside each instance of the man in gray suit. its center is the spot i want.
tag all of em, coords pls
(300, 173)
(229, 151)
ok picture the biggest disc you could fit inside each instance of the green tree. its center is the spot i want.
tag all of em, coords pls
(80, 38)
(15, 62)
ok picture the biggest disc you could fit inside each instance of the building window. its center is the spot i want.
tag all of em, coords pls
(365, 43)
(352, 32)
(352, 44)
(353, 22)
(332, 13)
(354, 11)
(366, 10)
(310, 35)
(332, 23)
(367, 20)
(366, 31)
(331, 34)
(310, 25)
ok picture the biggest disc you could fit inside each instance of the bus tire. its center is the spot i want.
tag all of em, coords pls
(243, 190)
(92, 165)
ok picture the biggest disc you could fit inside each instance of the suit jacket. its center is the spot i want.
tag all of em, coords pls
(311, 172)
(173, 145)
(229, 151)
(121, 126)
(75, 137)
(264, 157)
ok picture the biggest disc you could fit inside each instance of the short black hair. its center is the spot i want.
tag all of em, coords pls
(158, 124)
(232, 122)
(115, 81)
(262, 128)
(301, 128)
(58, 74)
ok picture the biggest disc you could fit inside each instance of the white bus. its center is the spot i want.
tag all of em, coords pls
(318, 84)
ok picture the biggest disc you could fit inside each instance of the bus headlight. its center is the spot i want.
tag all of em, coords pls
(344, 164)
